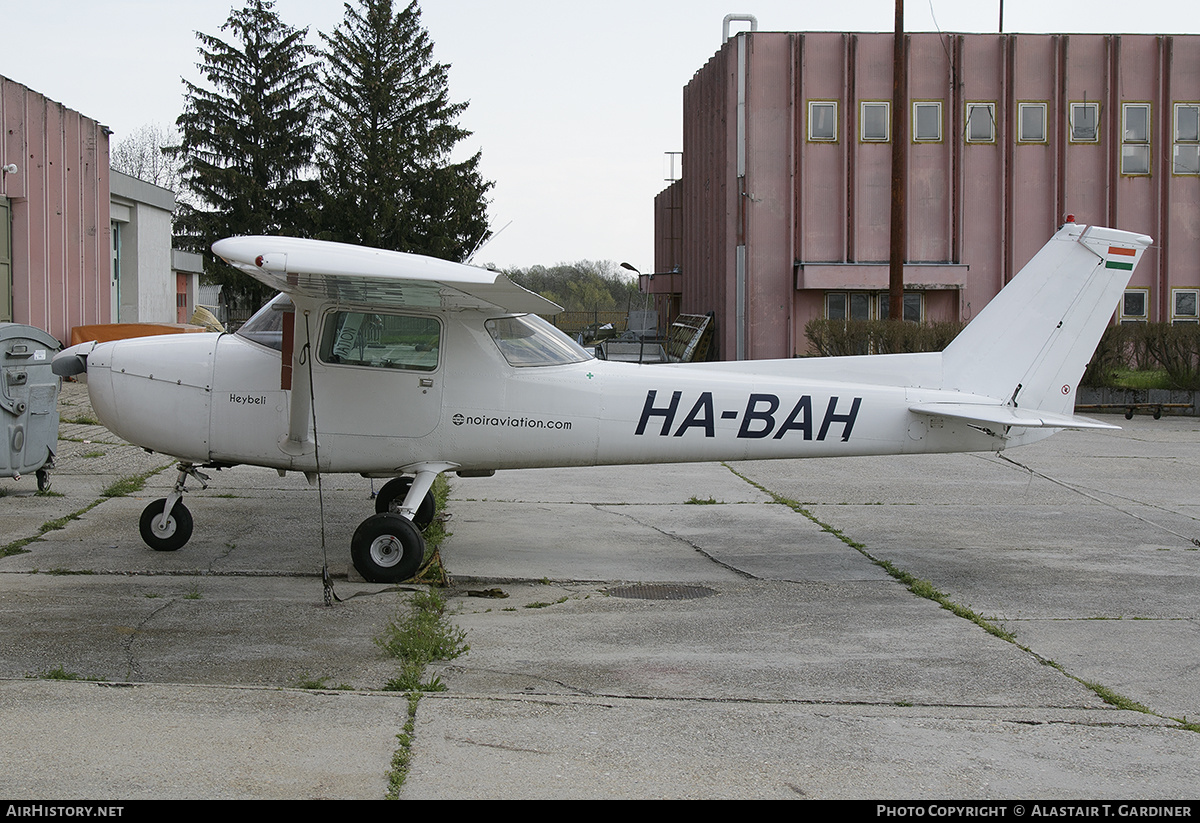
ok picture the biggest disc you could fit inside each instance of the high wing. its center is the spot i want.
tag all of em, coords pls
(353, 274)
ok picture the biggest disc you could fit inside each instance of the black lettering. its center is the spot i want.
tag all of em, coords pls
(847, 419)
(752, 413)
(668, 413)
(703, 404)
(804, 409)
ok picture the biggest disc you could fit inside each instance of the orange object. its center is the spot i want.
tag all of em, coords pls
(120, 331)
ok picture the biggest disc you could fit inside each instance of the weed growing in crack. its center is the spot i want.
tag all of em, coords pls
(419, 638)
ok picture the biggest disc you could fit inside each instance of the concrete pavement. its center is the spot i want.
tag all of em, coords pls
(669, 631)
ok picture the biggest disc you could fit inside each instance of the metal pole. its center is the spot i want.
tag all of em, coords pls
(899, 174)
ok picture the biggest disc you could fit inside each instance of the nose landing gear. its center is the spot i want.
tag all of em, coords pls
(166, 524)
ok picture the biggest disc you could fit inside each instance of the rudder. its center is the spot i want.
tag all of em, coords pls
(1030, 345)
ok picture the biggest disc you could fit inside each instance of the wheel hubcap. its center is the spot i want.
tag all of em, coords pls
(164, 526)
(386, 550)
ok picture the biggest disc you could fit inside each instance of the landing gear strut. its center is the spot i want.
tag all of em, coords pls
(388, 546)
(393, 495)
(166, 524)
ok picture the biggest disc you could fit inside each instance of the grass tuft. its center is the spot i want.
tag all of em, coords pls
(402, 759)
(128, 485)
(422, 636)
(1113, 699)
(60, 673)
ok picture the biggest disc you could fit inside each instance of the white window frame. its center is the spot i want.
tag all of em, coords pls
(1144, 317)
(1135, 144)
(863, 105)
(1186, 146)
(989, 110)
(1185, 317)
(824, 137)
(1074, 109)
(845, 304)
(1021, 122)
(917, 136)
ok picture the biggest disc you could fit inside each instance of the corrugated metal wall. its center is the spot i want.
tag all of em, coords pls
(709, 181)
(59, 196)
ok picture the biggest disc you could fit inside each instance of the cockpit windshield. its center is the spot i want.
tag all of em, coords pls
(528, 340)
(266, 326)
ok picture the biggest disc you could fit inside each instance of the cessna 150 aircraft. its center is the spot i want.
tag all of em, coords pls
(391, 365)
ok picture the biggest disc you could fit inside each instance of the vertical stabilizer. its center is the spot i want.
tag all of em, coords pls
(1030, 345)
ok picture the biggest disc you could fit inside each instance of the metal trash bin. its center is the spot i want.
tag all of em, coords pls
(28, 402)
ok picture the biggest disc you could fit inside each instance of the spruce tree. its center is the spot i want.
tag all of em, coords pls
(385, 163)
(247, 139)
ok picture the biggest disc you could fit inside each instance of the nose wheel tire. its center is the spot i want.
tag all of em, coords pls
(387, 548)
(392, 495)
(165, 534)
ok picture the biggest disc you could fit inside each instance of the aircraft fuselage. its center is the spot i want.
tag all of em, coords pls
(208, 398)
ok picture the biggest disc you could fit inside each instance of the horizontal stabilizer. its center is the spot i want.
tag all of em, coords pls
(998, 415)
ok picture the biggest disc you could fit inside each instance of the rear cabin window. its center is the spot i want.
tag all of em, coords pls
(528, 340)
(381, 341)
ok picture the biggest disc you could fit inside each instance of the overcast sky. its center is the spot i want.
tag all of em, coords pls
(573, 104)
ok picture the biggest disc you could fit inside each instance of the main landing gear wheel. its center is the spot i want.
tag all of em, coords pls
(387, 548)
(165, 534)
(392, 495)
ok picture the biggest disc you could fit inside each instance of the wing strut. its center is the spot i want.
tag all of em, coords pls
(299, 374)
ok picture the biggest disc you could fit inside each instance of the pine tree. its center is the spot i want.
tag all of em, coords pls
(385, 164)
(247, 140)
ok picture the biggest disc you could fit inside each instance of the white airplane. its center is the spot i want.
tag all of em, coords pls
(392, 365)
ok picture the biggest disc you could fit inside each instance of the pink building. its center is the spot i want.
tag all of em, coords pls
(782, 213)
(54, 214)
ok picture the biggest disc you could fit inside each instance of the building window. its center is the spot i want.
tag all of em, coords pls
(1135, 306)
(1135, 138)
(840, 305)
(1031, 122)
(864, 305)
(1085, 123)
(875, 121)
(981, 123)
(927, 122)
(1185, 306)
(822, 121)
(914, 306)
(1187, 139)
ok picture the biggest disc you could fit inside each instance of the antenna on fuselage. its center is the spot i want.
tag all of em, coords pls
(483, 241)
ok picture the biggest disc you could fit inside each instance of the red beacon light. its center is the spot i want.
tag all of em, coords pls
(1070, 218)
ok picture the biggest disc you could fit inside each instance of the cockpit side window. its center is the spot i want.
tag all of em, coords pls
(381, 341)
(528, 340)
(265, 327)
